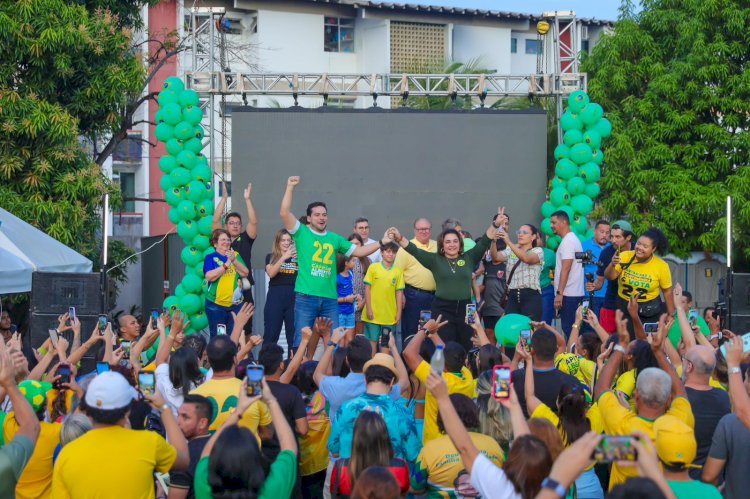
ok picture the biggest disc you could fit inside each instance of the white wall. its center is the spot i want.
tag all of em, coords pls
(521, 62)
(490, 45)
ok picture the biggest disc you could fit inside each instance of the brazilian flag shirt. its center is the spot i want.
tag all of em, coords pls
(316, 260)
(224, 291)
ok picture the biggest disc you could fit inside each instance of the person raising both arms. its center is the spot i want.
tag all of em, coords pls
(315, 287)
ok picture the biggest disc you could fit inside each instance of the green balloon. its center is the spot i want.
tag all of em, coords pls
(193, 145)
(196, 269)
(566, 169)
(553, 242)
(174, 196)
(509, 327)
(591, 113)
(576, 185)
(192, 283)
(158, 118)
(581, 204)
(196, 191)
(571, 137)
(186, 209)
(192, 114)
(174, 147)
(189, 98)
(569, 211)
(187, 230)
(172, 114)
(198, 132)
(179, 292)
(191, 255)
(547, 209)
(580, 224)
(170, 304)
(557, 182)
(570, 121)
(592, 139)
(199, 321)
(190, 303)
(183, 130)
(603, 128)
(561, 151)
(592, 190)
(201, 242)
(590, 172)
(205, 208)
(205, 226)
(163, 132)
(167, 97)
(559, 197)
(580, 154)
(546, 227)
(167, 164)
(597, 156)
(165, 182)
(577, 100)
(174, 83)
(174, 216)
(180, 176)
(187, 159)
(202, 173)
(589, 234)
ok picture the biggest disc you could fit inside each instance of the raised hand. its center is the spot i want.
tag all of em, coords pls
(293, 182)
(248, 191)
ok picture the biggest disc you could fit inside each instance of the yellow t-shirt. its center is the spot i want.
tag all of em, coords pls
(384, 284)
(222, 393)
(313, 447)
(626, 385)
(36, 479)
(462, 382)
(580, 367)
(593, 415)
(643, 280)
(112, 461)
(414, 273)
(620, 421)
(439, 463)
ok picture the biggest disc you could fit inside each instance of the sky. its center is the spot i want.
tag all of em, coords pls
(600, 9)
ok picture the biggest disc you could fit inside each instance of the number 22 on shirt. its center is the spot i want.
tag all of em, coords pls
(323, 253)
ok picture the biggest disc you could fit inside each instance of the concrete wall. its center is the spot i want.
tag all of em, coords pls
(490, 45)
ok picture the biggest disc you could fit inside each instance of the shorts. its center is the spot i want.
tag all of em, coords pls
(346, 321)
(607, 320)
(490, 321)
(372, 331)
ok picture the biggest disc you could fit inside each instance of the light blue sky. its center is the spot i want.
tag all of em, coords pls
(600, 9)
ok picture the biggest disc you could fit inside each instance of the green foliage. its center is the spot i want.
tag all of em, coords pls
(676, 88)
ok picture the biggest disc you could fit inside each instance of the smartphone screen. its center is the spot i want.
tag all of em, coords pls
(525, 335)
(615, 448)
(102, 367)
(385, 336)
(501, 382)
(72, 313)
(102, 323)
(146, 382)
(64, 372)
(471, 313)
(221, 329)
(650, 327)
(585, 308)
(53, 337)
(424, 317)
(126, 347)
(693, 318)
(254, 378)
(154, 316)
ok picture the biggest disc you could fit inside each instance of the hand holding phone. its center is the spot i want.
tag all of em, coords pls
(154, 316)
(651, 327)
(72, 314)
(146, 382)
(385, 337)
(501, 382)
(615, 448)
(585, 308)
(221, 329)
(424, 317)
(63, 370)
(102, 367)
(693, 318)
(525, 335)
(254, 380)
(471, 313)
(102, 324)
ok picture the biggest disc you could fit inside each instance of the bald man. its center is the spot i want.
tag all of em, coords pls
(709, 404)
(129, 327)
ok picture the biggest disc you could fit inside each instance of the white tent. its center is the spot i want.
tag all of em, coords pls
(25, 249)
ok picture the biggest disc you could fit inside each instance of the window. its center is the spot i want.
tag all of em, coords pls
(338, 34)
(129, 150)
(342, 102)
(585, 46)
(513, 45)
(126, 181)
(533, 46)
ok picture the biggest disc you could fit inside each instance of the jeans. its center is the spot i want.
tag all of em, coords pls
(278, 311)
(216, 314)
(453, 311)
(307, 308)
(548, 304)
(415, 300)
(568, 313)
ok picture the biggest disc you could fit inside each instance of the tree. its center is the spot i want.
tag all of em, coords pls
(675, 85)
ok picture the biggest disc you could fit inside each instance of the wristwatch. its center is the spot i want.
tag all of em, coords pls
(555, 486)
(332, 344)
(734, 370)
(618, 348)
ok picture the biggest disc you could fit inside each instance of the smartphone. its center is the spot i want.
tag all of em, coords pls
(525, 335)
(254, 378)
(615, 448)
(154, 316)
(126, 347)
(72, 314)
(471, 313)
(64, 372)
(693, 318)
(650, 327)
(745, 345)
(221, 329)
(424, 317)
(585, 308)
(146, 382)
(102, 367)
(501, 382)
(102, 323)
(53, 337)
(385, 336)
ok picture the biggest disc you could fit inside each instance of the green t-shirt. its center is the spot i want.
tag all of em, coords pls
(694, 490)
(278, 485)
(452, 278)
(316, 259)
(545, 279)
(13, 459)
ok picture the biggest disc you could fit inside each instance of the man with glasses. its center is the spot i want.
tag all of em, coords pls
(420, 285)
(242, 240)
(362, 227)
(621, 237)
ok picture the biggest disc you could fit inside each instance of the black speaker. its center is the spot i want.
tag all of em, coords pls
(54, 292)
(741, 294)
(740, 324)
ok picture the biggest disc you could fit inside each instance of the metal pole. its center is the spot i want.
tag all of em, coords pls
(730, 284)
(105, 253)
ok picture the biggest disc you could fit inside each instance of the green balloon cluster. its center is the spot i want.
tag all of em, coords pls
(578, 169)
(188, 190)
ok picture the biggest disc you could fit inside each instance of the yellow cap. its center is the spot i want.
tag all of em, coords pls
(675, 441)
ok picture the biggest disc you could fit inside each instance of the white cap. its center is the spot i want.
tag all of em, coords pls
(109, 390)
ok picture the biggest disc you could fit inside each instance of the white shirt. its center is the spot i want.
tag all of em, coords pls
(490, 481)
(172, 395)
(375, 257)
(569, 245)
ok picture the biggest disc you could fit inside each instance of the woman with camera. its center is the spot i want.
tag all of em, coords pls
(525, 260)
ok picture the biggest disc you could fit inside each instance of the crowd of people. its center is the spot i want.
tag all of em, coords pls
(393, 384)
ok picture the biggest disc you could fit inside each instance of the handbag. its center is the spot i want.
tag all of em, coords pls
(504, 299)
(650, 308)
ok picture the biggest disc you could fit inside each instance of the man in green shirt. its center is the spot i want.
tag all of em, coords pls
(315, 287)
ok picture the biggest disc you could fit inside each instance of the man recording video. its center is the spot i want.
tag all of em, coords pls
(594, 247)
